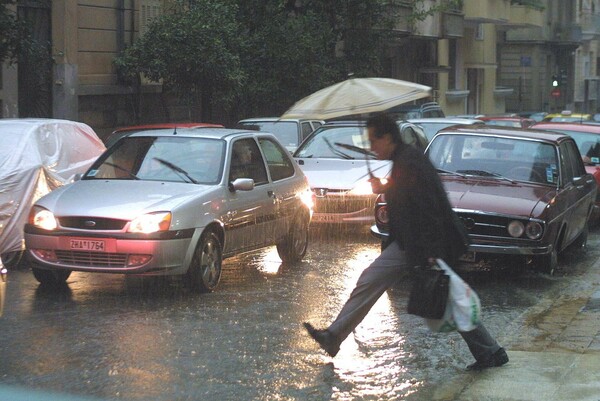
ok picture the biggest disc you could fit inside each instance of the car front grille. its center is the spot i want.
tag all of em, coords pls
(487, 225)
(343, 204)
(91, 223)
(92, 259)
(476, 223)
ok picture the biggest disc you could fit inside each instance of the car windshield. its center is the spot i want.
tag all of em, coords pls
(336, 143)
(495, 158)
(178, 159)
(285, 131)
(588, 144)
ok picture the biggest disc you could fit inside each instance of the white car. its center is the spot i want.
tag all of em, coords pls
(37, 155)
(173, 202)
(336, 159)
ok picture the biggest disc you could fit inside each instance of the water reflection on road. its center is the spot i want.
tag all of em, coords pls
(132, 339)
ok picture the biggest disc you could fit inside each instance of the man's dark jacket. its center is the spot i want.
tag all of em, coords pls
(421, 219)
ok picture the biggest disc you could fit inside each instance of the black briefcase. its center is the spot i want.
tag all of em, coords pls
(429, 292)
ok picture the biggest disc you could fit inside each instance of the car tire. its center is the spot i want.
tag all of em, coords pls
(50, 277)
(11, 259)
(204, 272)
(293, 247)
(547, 263)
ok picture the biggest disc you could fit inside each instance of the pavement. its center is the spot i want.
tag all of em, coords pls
(561, 362)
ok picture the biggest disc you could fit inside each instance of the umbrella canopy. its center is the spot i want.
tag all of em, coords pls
(357, 96)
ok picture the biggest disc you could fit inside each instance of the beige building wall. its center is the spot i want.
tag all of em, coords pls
(88, 34)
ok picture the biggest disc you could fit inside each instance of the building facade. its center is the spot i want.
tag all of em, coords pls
(554, 67)
(480, 57)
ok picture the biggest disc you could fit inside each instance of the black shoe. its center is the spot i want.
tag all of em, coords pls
(324, 338)
(499, 358)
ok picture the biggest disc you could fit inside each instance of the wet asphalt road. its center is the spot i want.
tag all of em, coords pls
(128, 339)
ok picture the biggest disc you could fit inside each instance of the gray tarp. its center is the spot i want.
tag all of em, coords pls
(37, 156)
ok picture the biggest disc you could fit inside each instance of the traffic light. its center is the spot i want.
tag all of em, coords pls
(555, 81)
(562, 78)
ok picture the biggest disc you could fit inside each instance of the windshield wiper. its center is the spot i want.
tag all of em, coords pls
(337, 151)
(176, 169)
(129, 173)
(439, 170)
(356, 149)
(484, 173)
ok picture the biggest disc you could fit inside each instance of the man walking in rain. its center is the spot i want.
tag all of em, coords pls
(422, 229)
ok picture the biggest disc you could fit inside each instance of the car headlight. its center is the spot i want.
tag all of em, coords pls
(534, 230)
(42, 218)
(362, 188)
(516, 228)
(381, 215)
(150, 223)
(307, 197)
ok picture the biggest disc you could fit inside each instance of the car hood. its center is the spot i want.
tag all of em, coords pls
(497, 197)
(341, 174)
(120, 199)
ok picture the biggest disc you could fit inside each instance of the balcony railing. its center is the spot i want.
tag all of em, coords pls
(522, 16)
(487, 11)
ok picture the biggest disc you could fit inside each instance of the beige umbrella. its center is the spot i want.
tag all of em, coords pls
(357, 96)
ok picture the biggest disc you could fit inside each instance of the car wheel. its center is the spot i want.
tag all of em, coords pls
(204, 272)
(50, 277)
(547, 263)
(11, 259)
(293, 247)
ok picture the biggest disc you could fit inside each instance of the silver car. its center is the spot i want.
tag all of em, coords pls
(433, 125)
(290, 131)
(173, 202)
(336, 159)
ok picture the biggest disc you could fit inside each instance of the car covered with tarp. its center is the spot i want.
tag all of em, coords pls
(36, 157)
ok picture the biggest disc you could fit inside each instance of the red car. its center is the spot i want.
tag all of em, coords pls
(587, 137)
(519, 192)
(508, 121)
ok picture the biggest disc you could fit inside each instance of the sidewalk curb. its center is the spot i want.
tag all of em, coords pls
(561, 363)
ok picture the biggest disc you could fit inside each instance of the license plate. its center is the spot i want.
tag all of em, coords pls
(324, 218)
(87, 245)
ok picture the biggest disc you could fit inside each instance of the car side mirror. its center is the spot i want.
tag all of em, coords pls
(77, 177)
(580, 181)
(241, 184)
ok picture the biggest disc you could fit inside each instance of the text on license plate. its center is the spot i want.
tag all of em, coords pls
(324, 218)
(88, 245)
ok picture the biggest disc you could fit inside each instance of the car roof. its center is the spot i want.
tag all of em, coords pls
(594, 128)
(164, 125)
(540, 135)
(274, 119)
(202, 132)
(508, 118)
(445, 120)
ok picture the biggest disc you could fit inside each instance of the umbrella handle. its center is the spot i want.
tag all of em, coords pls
(371, 175)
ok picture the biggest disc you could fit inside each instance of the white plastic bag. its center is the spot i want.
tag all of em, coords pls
(463, 312)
